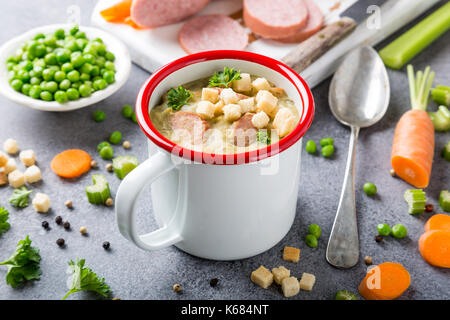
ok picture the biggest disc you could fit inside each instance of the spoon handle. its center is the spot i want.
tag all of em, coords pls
(343, 245)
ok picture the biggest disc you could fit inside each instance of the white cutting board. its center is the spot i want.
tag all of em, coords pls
(153, 48)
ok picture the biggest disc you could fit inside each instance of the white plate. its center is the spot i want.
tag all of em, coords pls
(122, 64)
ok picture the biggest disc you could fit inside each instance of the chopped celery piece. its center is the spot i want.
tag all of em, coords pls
(444, 200)
(445, 153)
(409, 44)
(441, 119)
(123, 165)
(99, 192)
(416, 200)
(441, 95)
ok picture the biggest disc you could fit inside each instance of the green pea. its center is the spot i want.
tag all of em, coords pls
(51, 86)
(109, 77)
(85, 91)
(109, 56)
(50, 59)
(90, 48)
(61, 96)
(39, 36)
(369, 188)
(100, 48)
(110, 66)
(345, 295)
(76, 84)
(73, 76)
(326, 141)
(384, 229)
(46, 96)
(10, 66)
(26, 65)
(311, 147)
(35, 92)
(59, 76)
(54, 68)
(71, 45)
(67, 67)
(311, 241)
(63, 55)
(39, 63)
(16, 84)
(85, 77)
(73, 94)
(48, 74)
(399, 231)
(80, 35)
(26, 89)
(102, 144)
(65, 84)
(35, 80)
(40, 51)
(115, 137)
(134, 118)
(327, 151)
(50, 41)
(107, 153)
(59, 34)
(73, 31)
(81, 43)
(315, 230)
(76, 59)
(99, 84)
(89, 58)
(86, 68)
(23, 75)
(100, 62)
(98, 116)
(43, 85)
(127, 111)
(95, 71)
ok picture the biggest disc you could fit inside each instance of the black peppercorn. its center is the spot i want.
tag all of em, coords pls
(60, 242)
(106, 245)
(66, 225)
(58, 220)
(378, 238)
(213, 282)
(45, 224)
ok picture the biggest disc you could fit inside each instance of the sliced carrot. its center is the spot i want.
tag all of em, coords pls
(438, 222)
(413, 148)
(71, 163)
(386, 281)
(118, 12)
(133, 24)
(434, 246)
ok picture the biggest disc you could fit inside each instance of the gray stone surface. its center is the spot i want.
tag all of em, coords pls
(136, 274)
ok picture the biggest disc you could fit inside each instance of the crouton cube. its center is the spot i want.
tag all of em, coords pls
(291, 254)
(27, 157)
(3, 159)
(10, 146)
(260, 120)
(232, 112)
(41, 202)
(210, 94)
(267, 102)
(290, 286)
(244, 84)
(262, 277)
(229, 96)
(218, 108)
(307, 281)
(284, 122)
(32, 174)
(260, 84)
(247, 105)
(16, 179)
(280, 273)
(205, 109)
(10, 166)
(3, 177)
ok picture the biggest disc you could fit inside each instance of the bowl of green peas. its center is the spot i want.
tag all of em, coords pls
(62, 67)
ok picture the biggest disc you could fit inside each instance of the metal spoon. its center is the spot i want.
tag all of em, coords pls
(358, 97)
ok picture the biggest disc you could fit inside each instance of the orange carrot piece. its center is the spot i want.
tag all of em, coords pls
(133, 24)
(386, 281)
(118, 12)
(71, 163)
(434, 246)
(413, 148)
(438, 222)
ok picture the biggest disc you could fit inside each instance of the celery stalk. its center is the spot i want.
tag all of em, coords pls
(441, 95)
(99, 192)
(419, 87)
(416, 200)
(444, 200)
(123, 165)
(409, 44)
(441, 119)
(445, 153)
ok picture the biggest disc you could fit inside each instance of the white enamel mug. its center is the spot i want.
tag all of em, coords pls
(215, 206)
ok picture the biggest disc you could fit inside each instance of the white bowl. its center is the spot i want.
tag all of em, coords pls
(122, 64)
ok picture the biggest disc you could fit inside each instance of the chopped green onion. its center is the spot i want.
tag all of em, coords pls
(416, 200)
(99, 192)
(123, 165)
(444, 200)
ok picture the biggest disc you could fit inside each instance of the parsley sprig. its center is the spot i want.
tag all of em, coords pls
(23, 265)
(4, 225)
(19, 197)
(263, 137)
(178, 97)
(224, 78)
(84, 279)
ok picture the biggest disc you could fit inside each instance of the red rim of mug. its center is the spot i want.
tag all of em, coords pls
(143, 98)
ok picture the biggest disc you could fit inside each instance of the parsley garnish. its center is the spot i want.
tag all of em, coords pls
(224, 78)
(84, 279)
(4, 225)
(23, 265)
(19, 197)
(178, 97)
(263, 137)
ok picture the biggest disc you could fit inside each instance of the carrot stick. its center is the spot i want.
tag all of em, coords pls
(413, 145)
(434, 246)
(118, 12)
(71, 163)
(438, 222)
(386, 281)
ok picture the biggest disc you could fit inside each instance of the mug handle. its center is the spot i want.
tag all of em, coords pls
(126, 200)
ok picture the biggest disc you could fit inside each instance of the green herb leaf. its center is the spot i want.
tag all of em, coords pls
(19, 197)
(224, 78)
(178, 97)
(263, 137)
(4, 225)
(84, 279)
(23, 265)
